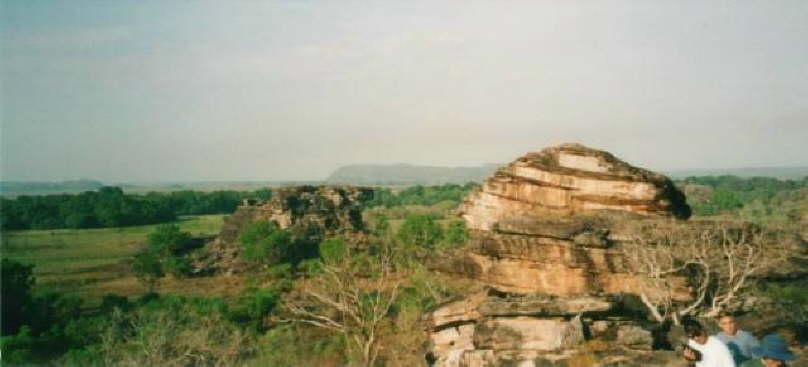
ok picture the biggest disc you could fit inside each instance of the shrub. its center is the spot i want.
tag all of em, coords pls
(164, 253)
(456, 234)
(168, 239)
(264, 242)
(333, 250)
(16, 291)
(253, 306)
(421, 230)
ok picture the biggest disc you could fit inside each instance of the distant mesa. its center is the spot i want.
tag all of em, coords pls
(780, 173)
(406, 174)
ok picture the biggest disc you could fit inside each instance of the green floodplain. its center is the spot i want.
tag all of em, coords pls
(88, 261)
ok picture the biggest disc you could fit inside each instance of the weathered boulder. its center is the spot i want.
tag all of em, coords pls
(634, 337)
(491, 328)
(540, 305)
(528, 333)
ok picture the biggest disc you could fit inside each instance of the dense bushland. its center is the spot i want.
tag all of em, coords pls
(298, 279)
(421, 195)
(754, 199)
(260, 327)
(111, 207)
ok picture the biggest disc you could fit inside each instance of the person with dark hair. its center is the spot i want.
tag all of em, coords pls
(772, 352)
(738, 341)
(714, 353)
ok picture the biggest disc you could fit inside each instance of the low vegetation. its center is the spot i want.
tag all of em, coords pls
(91, 262)
(757, 199)
(309, 300)
(109, 207)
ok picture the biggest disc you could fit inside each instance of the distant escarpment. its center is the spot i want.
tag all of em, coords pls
(406, 174)
(318, 212)
(544, 232)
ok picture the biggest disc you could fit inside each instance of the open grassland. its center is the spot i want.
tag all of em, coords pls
(91, 263)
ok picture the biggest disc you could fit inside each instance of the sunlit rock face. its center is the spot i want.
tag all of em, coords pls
(545, 236)
(547, 221)
(569, 180)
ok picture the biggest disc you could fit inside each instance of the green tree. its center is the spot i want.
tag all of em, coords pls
(725, 200)
(333, 250)
(421, 230)
(381, 226)
(164, 253)
(264, 242)
(168, 239)
(17, 282)
(147, 268)
(456, 234)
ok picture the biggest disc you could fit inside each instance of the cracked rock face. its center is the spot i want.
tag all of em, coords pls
(568, 180)
(321, 211)
(544, 236)
(546, 222)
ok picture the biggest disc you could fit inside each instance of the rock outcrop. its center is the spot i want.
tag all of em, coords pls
(544, 232)
(567, 180)
(320, 211)
(548, 221)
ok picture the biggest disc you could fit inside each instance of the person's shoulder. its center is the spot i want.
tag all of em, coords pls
(746, 335)
(722, 336)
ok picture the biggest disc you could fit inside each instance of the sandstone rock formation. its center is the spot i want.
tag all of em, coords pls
(546, 222)
(320, 211)
(544, 231)
(567, 180)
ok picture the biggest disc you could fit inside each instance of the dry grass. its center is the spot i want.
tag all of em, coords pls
(586, 356)
(91, 263)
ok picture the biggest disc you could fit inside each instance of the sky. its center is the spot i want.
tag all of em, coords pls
(145, 91)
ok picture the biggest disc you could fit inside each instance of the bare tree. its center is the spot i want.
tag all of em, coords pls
(697, 268)
(163, 338)
(349, 298)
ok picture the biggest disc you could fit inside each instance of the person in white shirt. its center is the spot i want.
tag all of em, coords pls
(714, 353)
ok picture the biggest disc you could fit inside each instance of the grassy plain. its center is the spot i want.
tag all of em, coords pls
(91, 263)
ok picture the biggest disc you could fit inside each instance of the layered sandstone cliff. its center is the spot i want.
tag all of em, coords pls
(569, 180)
(545, 237)
(548, 221)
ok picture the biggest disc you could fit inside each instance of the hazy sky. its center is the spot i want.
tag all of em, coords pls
(272, 90)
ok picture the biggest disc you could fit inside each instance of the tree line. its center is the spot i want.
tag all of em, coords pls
(421, 195)
(763, 196)
(111, 207)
